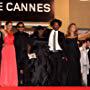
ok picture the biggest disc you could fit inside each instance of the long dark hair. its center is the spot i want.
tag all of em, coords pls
(7, 22)
(68, 31)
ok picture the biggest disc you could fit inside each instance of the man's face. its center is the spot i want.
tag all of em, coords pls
(41, 32)
(56, 26)
(21, 27)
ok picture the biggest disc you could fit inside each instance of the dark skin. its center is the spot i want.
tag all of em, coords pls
(56, 26)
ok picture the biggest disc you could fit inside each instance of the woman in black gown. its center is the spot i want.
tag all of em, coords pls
(39, 67)
(73, 55)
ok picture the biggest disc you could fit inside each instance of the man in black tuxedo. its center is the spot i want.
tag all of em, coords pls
(21, 46)
(88, 44)
(89, 54)
(57, 56)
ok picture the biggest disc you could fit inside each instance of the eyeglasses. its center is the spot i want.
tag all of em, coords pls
(20, 26)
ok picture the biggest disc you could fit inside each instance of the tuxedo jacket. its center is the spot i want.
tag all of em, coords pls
(21, 47)
(61, 37)
(89, 55)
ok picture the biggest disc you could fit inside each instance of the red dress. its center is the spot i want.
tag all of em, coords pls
(8, 75)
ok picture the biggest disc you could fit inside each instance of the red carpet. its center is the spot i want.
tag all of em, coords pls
(45, 88)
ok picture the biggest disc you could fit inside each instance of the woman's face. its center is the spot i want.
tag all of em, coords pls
(9, 27)
(73, 28)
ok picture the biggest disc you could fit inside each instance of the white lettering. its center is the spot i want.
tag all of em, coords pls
(32, 7)
(1, 6)
(7, 6)
(16, 7)
(40, 7)
(47, 8)
(24, 7)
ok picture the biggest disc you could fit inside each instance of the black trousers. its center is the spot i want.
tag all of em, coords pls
(22, 76)
(58, 65)
(89, 78)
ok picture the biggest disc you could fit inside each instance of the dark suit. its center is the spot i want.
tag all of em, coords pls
(58, 63)
(89, 55)
(60, 37)
(21, 46)
(89, 69)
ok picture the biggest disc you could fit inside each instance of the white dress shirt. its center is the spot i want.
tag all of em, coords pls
(84, 60)
(51, 44)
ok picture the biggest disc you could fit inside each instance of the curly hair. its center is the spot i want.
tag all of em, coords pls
(56, 21)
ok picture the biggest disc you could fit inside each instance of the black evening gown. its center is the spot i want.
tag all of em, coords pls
(73, 63)
(39, 68)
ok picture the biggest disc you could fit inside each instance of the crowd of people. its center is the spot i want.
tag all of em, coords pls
(48, 57)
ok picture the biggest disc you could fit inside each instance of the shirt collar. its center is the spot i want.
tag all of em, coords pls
(55, 30)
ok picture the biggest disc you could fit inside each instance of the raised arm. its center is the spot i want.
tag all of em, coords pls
(2, 30)
(84, 35)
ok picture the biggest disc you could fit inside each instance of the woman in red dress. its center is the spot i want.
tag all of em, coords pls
(8, 74)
